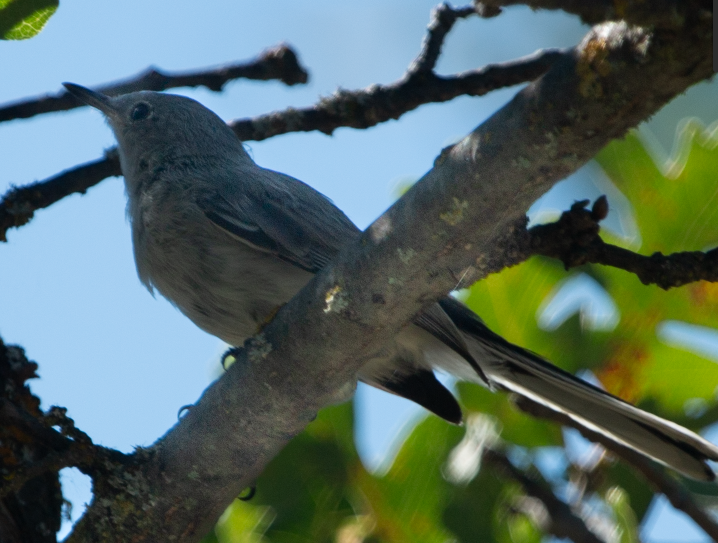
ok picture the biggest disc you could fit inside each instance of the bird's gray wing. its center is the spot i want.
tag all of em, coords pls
(278, 214)
(281, 215)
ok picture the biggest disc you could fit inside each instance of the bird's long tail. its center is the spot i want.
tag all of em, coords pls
(527, 374)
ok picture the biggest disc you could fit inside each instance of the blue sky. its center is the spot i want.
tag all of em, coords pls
(123, 362)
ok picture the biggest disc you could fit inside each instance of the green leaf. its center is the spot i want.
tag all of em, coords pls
(675, 210)
(307, 484)
(675, 204)
(408, 502)
(242, 522)
(619, 501)
(517, 527)
(619, 474)
(23, 19)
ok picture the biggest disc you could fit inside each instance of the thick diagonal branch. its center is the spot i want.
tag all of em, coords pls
(278, 63)
(448, 221)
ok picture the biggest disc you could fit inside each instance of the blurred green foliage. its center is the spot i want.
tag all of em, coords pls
(318, 490)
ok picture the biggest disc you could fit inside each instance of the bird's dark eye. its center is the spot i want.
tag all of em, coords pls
(140, 111)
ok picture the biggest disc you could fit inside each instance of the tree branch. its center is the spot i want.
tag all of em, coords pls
(380, 103)
(664, 14)
(574, 240)
(280, 63)
(450, 219)
(679, 497)
(52, 450)
(357, 109)
(443, 19)
(19, 204)
(561, 521)
(30, 499)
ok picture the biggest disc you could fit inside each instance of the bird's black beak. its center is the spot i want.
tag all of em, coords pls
(91, 98)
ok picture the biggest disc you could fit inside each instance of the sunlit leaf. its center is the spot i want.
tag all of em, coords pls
(619, 501)
(675, 210)
(511, 521)
(619, 474)
(22, 19)
(243, 522)
(675, 204)
(408, 502)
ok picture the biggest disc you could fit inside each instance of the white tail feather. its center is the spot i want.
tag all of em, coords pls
(666, 442)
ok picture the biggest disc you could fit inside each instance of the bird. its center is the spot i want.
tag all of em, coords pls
(228, 242)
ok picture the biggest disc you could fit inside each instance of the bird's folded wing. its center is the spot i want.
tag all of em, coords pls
(282, 216)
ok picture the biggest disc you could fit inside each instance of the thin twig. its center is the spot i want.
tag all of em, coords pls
(20, 203)
(574, 240)
(278, 63)
(443, 18)
(379, 103)
(562, 521)
(359, 109)
(679, 497)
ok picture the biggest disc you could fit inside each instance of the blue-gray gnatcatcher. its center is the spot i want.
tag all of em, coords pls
(228, 242)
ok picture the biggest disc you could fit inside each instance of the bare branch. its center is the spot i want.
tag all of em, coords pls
(486, 11)
(19, 204)
(278, 63)
(574, 240)
(381, 103)
(31, 445)
(443, 18)
(32, 453)
(679, 496)
(86, 457)
(359, 109)
(654, 13)
(562, 521)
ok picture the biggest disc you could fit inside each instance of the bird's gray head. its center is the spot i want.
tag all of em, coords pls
(153, 128)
